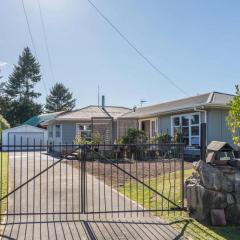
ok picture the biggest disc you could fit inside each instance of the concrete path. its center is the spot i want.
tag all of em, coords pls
(57, 195)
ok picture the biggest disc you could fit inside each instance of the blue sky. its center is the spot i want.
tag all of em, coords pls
(196, 43)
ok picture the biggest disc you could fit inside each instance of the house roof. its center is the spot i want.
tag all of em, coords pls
(41, 119)
(212, 99)
(89, 112)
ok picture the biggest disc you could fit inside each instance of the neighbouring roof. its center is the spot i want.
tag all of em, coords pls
(41, 119)
(24, 129)
(87, 113)
(213, 99)
(218, 145)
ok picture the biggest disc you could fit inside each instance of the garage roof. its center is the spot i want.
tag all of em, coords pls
(40, 119)
(24, 128)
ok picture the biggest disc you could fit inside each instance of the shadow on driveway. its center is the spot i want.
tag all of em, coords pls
(94, 230)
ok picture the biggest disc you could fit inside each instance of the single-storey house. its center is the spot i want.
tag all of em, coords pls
(185, 116)
(85, 122)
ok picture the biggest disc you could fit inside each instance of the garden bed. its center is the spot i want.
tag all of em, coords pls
(112, 175)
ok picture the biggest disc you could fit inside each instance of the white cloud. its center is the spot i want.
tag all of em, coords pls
(2, 64)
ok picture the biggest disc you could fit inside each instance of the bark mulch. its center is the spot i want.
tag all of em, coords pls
(142, 170)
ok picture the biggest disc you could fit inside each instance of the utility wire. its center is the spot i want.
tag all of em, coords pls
(29, 29)
(124, 37)
(46, 40)
(31, 37)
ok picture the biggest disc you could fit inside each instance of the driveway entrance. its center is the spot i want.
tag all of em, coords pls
(69, 197)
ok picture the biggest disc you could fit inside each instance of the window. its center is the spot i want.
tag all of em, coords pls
(50, 131)
(149, 126)
(188, 126)
(195, 129)
(84, 130)
(58, 131)
(153, 128)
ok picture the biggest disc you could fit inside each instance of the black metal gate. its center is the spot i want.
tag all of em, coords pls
(72, 182)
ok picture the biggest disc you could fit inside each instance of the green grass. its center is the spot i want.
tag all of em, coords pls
(178, 219)
(3, 180)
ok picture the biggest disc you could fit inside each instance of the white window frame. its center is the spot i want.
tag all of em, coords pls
(155, 126)
(189, 126)
(78, 131)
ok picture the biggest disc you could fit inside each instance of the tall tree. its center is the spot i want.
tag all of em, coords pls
(233, 119)
(59, 99)
(19, 90)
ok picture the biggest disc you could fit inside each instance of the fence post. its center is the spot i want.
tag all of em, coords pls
(182, 173)
(83, 180)
(203, 142)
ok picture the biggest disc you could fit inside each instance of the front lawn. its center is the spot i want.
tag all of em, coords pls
(180, 220)
(3, 179)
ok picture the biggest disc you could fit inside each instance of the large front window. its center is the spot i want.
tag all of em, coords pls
(187, 126)
(84, 130)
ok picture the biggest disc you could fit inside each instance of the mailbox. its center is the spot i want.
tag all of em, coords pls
(219, 153)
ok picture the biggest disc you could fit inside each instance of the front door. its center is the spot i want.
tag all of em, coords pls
(145, 126)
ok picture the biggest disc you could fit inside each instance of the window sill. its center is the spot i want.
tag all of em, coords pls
(192, 147)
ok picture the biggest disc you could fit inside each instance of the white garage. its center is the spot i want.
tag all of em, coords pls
(23, 137)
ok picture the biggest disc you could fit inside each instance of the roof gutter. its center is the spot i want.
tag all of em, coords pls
(199, 107)
(160, 113)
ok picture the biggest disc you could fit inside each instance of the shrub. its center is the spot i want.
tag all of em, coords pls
(177, 137)
(95, 140)
(3, 123)
(233, 118)
(162, 138)
(133, 136)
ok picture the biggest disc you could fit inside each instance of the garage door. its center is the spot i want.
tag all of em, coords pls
(26, 140)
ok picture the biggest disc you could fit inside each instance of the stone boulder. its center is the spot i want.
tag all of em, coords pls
(237, 188)
(232, 214)
(213, 178)
(200, 201)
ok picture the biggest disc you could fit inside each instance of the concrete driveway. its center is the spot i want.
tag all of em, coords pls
(50, 205)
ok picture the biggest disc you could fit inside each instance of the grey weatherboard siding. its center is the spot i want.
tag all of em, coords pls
(68, 132)
(164, 124)
(216, 127)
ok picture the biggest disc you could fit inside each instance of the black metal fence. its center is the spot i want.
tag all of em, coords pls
(72, 182)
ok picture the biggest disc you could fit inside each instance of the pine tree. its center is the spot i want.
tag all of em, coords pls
(59, 99)
(19, 90)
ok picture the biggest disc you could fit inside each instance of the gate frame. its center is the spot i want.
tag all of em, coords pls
(84, 149)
